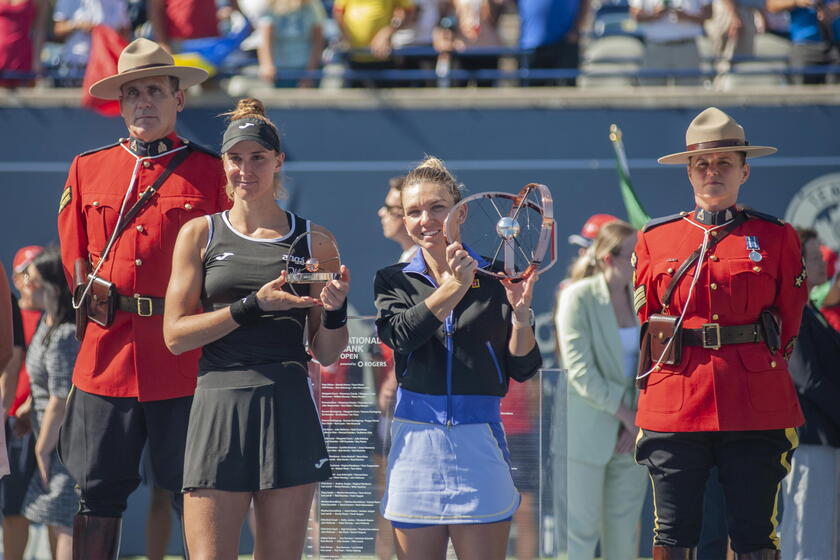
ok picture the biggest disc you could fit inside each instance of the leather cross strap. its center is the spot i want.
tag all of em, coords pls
(712, 335)
(739, 219)
(176, 160)
(141, 305)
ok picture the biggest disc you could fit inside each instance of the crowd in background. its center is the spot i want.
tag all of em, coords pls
(289, 43)
(35, 384)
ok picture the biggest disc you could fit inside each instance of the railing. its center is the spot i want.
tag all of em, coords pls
(443, 76)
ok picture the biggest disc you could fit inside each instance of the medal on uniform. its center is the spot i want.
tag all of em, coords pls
(753, 248)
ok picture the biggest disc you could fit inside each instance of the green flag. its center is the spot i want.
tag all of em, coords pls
(636, 215)
(819, 293)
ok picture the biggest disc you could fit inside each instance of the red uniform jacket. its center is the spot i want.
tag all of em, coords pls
(129, 358)
(738, 386)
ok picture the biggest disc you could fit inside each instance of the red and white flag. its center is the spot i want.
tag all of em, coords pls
(105, 48)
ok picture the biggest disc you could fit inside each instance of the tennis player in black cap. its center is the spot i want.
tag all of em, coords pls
(254, 431)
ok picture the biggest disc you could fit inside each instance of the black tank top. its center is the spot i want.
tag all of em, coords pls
(236, 265)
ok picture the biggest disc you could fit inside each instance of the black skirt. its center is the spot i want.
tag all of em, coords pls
(255, 429)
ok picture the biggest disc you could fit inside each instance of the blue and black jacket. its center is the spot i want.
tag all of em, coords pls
(454, 371)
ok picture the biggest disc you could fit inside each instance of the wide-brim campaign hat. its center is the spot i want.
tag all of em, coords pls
(715, 131)
(143, 58)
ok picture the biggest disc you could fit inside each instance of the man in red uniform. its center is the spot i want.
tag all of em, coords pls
(726, 399)
(127, 386)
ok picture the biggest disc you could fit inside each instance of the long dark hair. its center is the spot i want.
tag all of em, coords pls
(57, 298)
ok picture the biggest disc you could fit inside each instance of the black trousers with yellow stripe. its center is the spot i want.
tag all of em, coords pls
(751, 466)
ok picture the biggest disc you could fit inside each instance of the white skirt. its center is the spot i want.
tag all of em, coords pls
(441, 475)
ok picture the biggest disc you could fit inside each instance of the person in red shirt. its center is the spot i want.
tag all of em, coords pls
(726, 285)
(175, 20)
(22, 34)
(128, 387)
(20, 442)
(13, 400)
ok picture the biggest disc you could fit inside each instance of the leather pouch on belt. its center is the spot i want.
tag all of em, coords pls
(101, 302)
(661, 329)
(644, 364)
(772, 330)
(80, 272)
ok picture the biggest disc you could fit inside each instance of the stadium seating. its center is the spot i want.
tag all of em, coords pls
(611, 62)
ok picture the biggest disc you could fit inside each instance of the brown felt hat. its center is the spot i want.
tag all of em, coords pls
(715, 131)
(143, 58)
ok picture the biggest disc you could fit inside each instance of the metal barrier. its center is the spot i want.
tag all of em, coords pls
(523, 74)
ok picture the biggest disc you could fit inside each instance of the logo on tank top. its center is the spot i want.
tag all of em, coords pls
(295, 259)
(223, 256)
(321, 463)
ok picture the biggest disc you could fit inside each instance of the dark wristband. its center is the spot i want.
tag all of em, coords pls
(246, 310)
(334, 319)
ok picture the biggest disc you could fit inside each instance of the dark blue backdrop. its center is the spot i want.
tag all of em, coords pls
(339, 161)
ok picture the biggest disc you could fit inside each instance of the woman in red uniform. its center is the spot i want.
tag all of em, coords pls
(726, 286)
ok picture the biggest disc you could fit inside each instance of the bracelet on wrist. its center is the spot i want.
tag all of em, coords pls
(520, 324)
(336, 318)
(246, 310)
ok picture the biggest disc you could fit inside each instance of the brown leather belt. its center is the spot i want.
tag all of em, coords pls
(141, 305)
(712, 335)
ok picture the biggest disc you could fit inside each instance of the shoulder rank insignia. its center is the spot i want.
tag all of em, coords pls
(663, 220)
(762, 216)
(803, 275)
(639, 298)
(66, 195)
